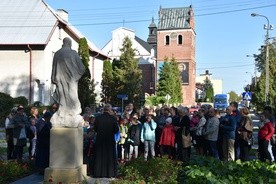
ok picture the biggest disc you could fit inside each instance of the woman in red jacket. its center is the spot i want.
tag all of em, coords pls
(167, 139)
(264, 136)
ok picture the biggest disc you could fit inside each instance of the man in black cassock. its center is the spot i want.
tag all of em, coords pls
(104, 154)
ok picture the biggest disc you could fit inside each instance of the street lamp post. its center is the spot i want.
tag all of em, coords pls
(255, 69)
(267, 27)
(251, 76)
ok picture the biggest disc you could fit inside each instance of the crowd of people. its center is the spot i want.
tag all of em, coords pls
(112, 138)
(35, 129)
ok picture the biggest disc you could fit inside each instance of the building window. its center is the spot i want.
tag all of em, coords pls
(180, 39)
(167, 40)
(151, 85)
(60, 33)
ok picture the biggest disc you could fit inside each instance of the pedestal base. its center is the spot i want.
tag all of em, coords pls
(66, 157)
(72, 176)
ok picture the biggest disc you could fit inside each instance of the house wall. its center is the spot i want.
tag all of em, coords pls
(184, 53)
(97, 75)
(145, 58)
(113, 47)
(217, 84)
(15, 69)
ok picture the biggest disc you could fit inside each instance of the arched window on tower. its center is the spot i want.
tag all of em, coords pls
(167, 40)
(180, 39)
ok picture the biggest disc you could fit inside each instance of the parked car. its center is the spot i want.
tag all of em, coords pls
(192, 109)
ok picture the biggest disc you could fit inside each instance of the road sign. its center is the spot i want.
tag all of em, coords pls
(247, 96)
(123, 96)
(168, 97)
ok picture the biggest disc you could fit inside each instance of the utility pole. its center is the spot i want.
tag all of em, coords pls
(206, 74)
(267, 27)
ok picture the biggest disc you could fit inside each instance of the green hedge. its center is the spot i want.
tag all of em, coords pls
(208, 170)
(158, 170)
(199, 170)
(7, 103)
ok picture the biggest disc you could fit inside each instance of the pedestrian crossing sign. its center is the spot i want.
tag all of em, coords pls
(246, 96)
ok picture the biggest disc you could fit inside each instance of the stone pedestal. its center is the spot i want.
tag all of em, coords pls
(66, 156)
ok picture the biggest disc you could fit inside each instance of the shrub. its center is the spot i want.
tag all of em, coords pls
(11, 170)
(158, 170)
(21, 100)
(6, 104)
(208, 170)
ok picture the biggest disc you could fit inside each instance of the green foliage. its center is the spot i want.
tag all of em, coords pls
(21, 100)
(208, 170)
(83, 51)
(155, 100)
(11, 170)
(86, 86)
(107, 82)
(209, 90)
(127, 77)
(169, 81)
(259, 91)
(6, 103)
(158, 170)
(234, 97)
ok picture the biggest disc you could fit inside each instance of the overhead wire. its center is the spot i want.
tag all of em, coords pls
(134, 14)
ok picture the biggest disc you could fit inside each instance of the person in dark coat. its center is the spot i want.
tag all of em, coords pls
(134, 136)
(19, 123)
(9, 133)
(184, 152)
(43, 142)
(104, 156)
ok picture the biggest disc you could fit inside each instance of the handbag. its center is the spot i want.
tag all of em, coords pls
(22, 139)
(273, 140)
(186, 139)
(22, 134)
(20, 142)
(29, 133)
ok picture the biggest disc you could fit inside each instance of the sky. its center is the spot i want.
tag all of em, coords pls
(225, 30)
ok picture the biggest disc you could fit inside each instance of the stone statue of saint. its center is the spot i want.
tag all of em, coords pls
(66, 71)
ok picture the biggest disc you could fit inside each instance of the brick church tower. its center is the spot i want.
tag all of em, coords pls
(176, 38)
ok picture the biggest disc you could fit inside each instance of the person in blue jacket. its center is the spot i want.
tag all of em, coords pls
(228, 125)
(148, 136)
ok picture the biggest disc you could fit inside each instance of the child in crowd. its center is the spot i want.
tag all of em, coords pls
(123, 136)
(148, 136)
(33, 129)
(193, 123)
(134, 136)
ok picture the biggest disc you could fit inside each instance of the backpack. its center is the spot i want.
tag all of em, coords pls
(186, 139)
(29, 133)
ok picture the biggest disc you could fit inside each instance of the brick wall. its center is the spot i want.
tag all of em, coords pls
(148, 78)
(182, 53)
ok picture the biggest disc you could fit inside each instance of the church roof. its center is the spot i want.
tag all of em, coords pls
(144, 44)
(152, 24)
(32, 22)
(174, 18)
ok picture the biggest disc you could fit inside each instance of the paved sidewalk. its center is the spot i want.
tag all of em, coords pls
(32, 179)
(38, 179)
